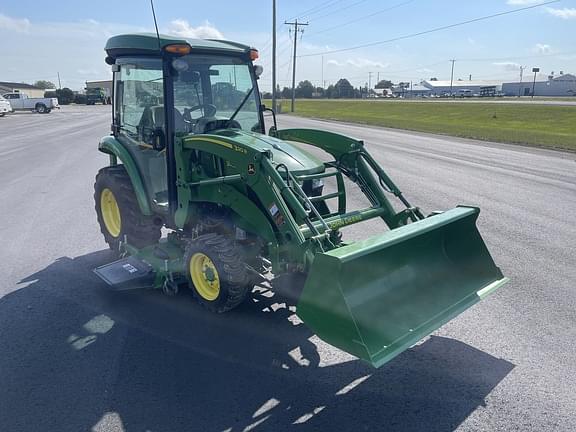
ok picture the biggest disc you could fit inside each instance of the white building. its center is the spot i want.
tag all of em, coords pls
(461, 87)
(561, 85)
(27, 89)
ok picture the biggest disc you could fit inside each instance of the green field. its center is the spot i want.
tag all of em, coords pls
(538, 125)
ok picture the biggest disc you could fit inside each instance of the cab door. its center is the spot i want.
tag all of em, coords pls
(139, 116)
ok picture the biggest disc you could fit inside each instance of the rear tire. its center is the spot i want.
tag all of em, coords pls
(118, 211)
(216, 272)
(40, 108)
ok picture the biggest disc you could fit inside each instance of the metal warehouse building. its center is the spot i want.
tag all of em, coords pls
(442, 88)
(561, 85)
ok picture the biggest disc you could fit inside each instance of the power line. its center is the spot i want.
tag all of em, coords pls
(338, 10)
(515, 57)
(437, 29)
(381, 11)
(315, 9)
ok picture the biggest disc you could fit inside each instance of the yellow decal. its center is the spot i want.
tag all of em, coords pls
(234, 147)
(345, 221)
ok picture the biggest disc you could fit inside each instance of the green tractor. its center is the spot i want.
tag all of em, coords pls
(197, 194)
(96, 94)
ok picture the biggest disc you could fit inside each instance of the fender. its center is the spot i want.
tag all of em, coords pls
(110, 145)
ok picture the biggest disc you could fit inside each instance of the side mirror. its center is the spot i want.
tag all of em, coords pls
(258, 69)
(263, 108)
(158, 139)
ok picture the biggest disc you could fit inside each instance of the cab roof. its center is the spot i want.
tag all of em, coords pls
(147, 43)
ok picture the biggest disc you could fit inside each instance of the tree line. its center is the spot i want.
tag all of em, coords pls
(341, 90)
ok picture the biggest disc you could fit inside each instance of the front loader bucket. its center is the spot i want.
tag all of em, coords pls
(377, 297)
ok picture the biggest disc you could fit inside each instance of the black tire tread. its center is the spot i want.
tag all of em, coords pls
(229, 261)
(140, 230)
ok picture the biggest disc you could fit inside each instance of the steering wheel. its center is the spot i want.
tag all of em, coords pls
(208, 109)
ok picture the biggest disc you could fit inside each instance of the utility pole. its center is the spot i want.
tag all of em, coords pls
(59, 85)
(369, 83)
(274, 55)
(296, 24)
(452, 76)
(535, 70)
(322, 72)
(520, 85)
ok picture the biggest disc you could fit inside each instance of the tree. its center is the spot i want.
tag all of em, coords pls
(65, 96)
(286, 93)
(304, 89)
(43, 84)
(330, 92)
(434, 79)
(319, 92)
(344, 89)
(384, 84)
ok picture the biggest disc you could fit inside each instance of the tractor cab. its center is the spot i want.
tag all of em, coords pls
(166, 89)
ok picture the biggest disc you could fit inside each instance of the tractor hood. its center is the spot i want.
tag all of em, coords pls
(297, 160)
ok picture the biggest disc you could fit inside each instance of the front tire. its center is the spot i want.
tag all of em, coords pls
(118, 211)
(216, 272)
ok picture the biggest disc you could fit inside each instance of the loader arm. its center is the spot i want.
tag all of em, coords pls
(351, 157)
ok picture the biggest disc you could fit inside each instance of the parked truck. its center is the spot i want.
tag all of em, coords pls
(5, 107)
(21, 101)
(96, 94)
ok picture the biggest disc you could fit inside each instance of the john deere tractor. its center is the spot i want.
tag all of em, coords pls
(198, 195)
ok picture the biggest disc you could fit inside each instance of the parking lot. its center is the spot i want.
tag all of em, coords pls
(77, 357)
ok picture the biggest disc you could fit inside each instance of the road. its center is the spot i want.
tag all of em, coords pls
(76, 357)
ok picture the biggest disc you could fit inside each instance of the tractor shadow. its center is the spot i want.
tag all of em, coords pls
(76, 357)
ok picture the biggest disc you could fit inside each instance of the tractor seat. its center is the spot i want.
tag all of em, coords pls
(153, 117)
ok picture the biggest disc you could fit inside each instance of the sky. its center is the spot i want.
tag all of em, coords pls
(38, 41)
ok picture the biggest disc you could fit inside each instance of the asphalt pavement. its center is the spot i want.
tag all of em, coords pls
(77, 357)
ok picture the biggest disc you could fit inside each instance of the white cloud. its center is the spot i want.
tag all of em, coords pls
(566, 13)
(541, 48)
(508, 66)
(362, 63)
(359, 63)
(20, 25)
(182, 28)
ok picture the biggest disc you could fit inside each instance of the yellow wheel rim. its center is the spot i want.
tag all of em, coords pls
(110, 212)
(204, 276)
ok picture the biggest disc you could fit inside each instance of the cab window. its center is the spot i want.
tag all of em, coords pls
(139, 116)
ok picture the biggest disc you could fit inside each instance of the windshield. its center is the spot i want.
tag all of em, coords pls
(213, 92)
